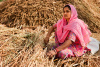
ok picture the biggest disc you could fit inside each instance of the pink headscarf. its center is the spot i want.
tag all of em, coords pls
(75, 25)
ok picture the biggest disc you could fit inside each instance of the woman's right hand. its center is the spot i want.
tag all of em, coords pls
(51, 53)
(46, 40)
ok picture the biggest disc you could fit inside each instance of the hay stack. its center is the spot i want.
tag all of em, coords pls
(16, 13)
(16, 44)
(25, 47)
(30, 13)
(20, 48)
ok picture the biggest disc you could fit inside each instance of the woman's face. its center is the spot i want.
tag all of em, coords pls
(66, 13)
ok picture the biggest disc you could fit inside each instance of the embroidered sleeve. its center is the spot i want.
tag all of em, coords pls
(72, 36)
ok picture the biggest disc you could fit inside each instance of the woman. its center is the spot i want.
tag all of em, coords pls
(71, 35)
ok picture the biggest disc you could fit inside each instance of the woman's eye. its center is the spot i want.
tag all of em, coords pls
(67, 11)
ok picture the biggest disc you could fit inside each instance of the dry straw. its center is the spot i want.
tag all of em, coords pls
(17, 13)
(24, 47)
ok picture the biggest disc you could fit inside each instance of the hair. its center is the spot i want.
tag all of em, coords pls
(67, 6)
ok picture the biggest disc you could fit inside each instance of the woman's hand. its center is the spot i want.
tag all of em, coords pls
(51, 53)
(46, 40)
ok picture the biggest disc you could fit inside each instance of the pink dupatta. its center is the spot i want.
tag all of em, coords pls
(75, 25)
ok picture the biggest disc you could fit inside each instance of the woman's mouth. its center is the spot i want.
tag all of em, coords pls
(65, 15)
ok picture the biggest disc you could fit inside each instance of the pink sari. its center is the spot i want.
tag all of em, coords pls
(76, 29)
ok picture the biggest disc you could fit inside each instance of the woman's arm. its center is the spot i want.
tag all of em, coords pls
(67, 43)
(64, 45)
(71, 39)
(51, 29)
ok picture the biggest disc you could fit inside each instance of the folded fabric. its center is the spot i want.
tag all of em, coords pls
(93, 45)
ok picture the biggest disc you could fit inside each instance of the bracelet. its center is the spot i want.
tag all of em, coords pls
(57, 50)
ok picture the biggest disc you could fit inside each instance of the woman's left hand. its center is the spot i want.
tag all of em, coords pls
(51, 53)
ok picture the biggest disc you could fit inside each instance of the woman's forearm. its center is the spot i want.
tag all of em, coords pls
(50, 31)
(65, 45)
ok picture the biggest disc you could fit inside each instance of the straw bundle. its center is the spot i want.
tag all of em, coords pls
(36, 12)
(14, 44)
(30, 13)
(25, 48)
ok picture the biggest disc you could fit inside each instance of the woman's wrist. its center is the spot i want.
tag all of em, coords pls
(47, 36)
(56, 50)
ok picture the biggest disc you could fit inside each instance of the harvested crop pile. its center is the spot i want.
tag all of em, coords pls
(30, 13)
(15, 43)
(24, 48)
(24, 13)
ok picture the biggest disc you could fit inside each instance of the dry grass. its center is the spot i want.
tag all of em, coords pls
(36, 12)
(30, 13)
(24, 47)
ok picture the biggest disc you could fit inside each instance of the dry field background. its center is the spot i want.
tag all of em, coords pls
(21, 46)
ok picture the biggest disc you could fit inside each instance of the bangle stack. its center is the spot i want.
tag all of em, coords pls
(56, 50)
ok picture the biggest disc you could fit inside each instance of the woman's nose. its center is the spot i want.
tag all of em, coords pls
(65, 13)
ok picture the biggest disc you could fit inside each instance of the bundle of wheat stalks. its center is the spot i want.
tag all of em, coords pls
(30, 12)
(24, 48)
(16, 13)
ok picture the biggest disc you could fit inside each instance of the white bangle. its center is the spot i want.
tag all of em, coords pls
(55, 51)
